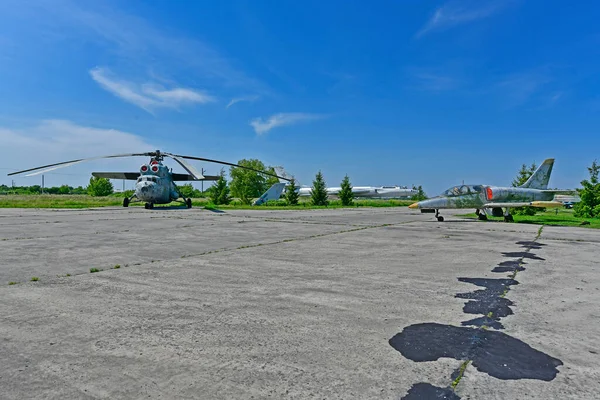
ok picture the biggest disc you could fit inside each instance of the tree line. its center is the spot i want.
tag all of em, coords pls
(248, 185)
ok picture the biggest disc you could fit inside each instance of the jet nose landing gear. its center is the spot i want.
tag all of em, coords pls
(438, 216)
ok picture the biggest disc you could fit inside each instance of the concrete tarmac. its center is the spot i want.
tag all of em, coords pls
(316, 304)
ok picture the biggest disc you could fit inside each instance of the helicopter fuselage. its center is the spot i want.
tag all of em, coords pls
(155, 184)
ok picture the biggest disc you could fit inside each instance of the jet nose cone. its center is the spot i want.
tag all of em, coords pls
(414, 205)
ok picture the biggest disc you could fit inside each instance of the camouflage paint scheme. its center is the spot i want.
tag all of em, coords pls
(534, 193)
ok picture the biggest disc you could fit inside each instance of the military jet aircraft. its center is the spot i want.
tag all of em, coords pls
(155, 183)
(492, 199)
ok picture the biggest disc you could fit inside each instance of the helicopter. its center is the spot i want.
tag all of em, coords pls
(155, 182)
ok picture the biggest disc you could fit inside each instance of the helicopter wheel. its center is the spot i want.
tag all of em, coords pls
(126, 202)
(148, 206)
(508, 218)
(188, 203)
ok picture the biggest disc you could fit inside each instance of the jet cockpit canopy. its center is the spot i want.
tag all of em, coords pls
(461, 190)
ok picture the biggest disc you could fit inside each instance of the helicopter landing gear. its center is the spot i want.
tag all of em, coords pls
(188, 203)
(126, 202)
(507, 216)
(148, 206)
(481, 215)
(438, 216)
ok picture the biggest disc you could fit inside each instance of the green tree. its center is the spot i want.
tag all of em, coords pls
(99, 187)
(35, 189)
(270, 180)
(64, 189)
(186, 190)
(589, 206)
(220, 192)
(79, 190)
(346, 195)
(522, 176)
(291, 193)
(246, 184)
(318, 195)
(421, 195)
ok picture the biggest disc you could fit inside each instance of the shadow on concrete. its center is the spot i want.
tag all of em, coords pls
(215, 210)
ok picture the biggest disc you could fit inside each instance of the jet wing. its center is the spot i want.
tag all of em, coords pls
(548, 204)
(132, 176)
(561, 191)
(187, 177)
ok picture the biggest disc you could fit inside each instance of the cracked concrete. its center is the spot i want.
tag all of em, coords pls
(278, 304)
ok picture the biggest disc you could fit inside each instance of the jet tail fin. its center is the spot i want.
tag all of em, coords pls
(274, 193)
(539, 179)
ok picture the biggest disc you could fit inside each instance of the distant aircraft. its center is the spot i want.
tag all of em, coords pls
(384, 192)
(492, 199)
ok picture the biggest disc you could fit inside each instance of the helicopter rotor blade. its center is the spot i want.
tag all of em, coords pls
(186, 165)
(230, 164)
(51, 167)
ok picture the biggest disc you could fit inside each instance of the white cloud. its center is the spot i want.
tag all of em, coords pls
(143, 45)
(52, 141)
(148, 96)
(456, 13)
(261, 125)
(236, 100)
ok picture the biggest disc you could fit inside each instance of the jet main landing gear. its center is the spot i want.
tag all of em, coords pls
(507, 216)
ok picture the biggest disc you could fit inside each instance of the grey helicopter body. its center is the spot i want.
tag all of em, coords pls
(155, 182)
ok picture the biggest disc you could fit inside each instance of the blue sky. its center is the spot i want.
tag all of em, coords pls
(388, 92)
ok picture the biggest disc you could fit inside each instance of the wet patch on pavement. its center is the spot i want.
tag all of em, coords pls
(421, 391)
(494, 353)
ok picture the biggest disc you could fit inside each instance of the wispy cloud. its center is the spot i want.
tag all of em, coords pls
(148, 96)
(142, 45)
(460, 12)
(262, 125)
(518, 89)
(236, 100)
(50, 141)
